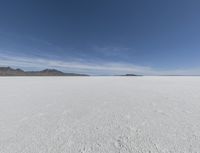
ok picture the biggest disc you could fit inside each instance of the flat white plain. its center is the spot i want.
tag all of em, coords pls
(99, 114)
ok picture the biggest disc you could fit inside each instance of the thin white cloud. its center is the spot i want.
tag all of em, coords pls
(105, 68)
(122, 52)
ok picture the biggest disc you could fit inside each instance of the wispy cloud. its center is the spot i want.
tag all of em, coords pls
(113, 51)
(77, 66)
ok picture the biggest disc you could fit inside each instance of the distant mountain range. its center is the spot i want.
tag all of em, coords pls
(8, 71)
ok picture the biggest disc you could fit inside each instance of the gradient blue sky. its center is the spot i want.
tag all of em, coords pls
(101, 36)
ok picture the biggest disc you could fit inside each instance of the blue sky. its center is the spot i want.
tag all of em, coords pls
(101, 36)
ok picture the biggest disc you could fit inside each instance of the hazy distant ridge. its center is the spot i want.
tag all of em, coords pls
(8, 71)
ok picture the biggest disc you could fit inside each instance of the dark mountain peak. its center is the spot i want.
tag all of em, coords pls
(51, 70)
(19, 70)
(47, 70)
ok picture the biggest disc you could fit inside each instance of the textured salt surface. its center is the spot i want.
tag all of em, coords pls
(100, 115)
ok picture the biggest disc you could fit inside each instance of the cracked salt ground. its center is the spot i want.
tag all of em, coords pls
(100, 114)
